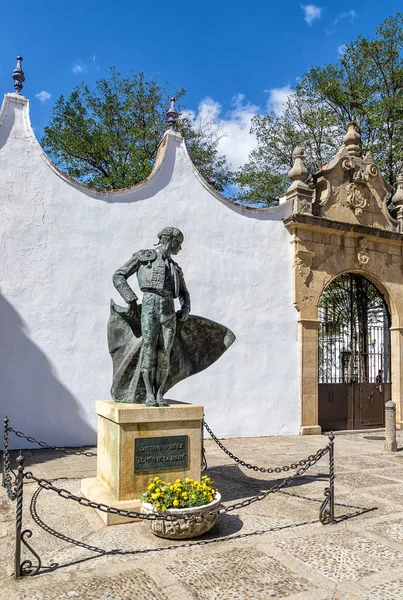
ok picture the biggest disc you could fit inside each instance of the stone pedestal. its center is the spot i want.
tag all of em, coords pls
(135, 443)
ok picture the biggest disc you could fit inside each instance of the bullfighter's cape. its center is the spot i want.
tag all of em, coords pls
(198, 343)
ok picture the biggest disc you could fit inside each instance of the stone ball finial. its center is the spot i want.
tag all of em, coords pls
(397, 199)
(298, 172)
(172, 114)
(18, 76)
(352, 139)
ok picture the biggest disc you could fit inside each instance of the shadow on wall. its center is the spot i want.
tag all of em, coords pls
(35, 401)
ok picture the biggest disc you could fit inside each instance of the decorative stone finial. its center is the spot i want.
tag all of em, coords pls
(352, 139)
(397, 199)
(172, 115)
(299, 192)
(18, 76)
(298, 172)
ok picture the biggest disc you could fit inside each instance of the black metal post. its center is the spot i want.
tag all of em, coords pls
(18, 515)
(331, 477)
(326, 511)
(203, 453)
(5, 450)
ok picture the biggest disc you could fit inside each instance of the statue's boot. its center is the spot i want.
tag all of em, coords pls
(150, 400)
(162, 376)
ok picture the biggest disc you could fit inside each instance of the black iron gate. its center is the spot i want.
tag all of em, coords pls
(354, 366)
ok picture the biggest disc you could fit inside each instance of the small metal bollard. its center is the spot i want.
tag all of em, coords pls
(6, 459)
(18, 515)
(390, 427)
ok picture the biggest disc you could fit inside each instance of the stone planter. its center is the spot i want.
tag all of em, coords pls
(180, 528)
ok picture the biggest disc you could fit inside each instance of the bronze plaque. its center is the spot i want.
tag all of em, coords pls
(161, 453)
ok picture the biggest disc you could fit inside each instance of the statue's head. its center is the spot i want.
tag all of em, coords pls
(171, 240)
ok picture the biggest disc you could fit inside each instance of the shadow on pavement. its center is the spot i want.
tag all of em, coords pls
(227, 530)
(234, 484)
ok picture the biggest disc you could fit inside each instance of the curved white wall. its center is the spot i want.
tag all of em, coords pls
(62, 241)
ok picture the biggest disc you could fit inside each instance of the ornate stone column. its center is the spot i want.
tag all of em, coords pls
(308, 375)
(396, 349)
(302, 196)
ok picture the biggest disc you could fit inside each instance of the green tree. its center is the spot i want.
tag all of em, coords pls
(366, 85)
(108, 137)
(311, 125)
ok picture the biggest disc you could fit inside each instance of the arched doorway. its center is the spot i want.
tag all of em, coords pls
(353, 354)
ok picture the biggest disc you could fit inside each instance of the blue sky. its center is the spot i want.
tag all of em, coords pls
(234, 58)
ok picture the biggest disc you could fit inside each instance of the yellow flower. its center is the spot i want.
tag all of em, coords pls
(151, 487)
(176, 502)
(155, 496)
(194, 496)
(163, 507)
(158, 491)
(177, 480)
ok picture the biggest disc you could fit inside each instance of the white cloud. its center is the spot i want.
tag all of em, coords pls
(351, 15)
(94, 61)
(237, 143)
(78, 68)
(341, 49)
(311, 12)
(43, 96)
(278, 98)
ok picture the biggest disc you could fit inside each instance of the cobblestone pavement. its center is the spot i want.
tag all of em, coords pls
(275, 548)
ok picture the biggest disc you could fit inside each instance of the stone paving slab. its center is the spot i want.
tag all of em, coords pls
(106, 588)
(360, 480)
(394, 473)
(216, 576)
(391, 590)
(275, 548)
(392, 530)
(340, 558)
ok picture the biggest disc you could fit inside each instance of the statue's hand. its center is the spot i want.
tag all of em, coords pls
(183, 314)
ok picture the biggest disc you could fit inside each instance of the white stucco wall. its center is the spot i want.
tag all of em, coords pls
(62, 241)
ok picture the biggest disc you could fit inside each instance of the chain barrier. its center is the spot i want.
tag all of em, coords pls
(15, 492)
(38, 521)
(241, 462)
(8, 474)
(20, 434)
(63, 493)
